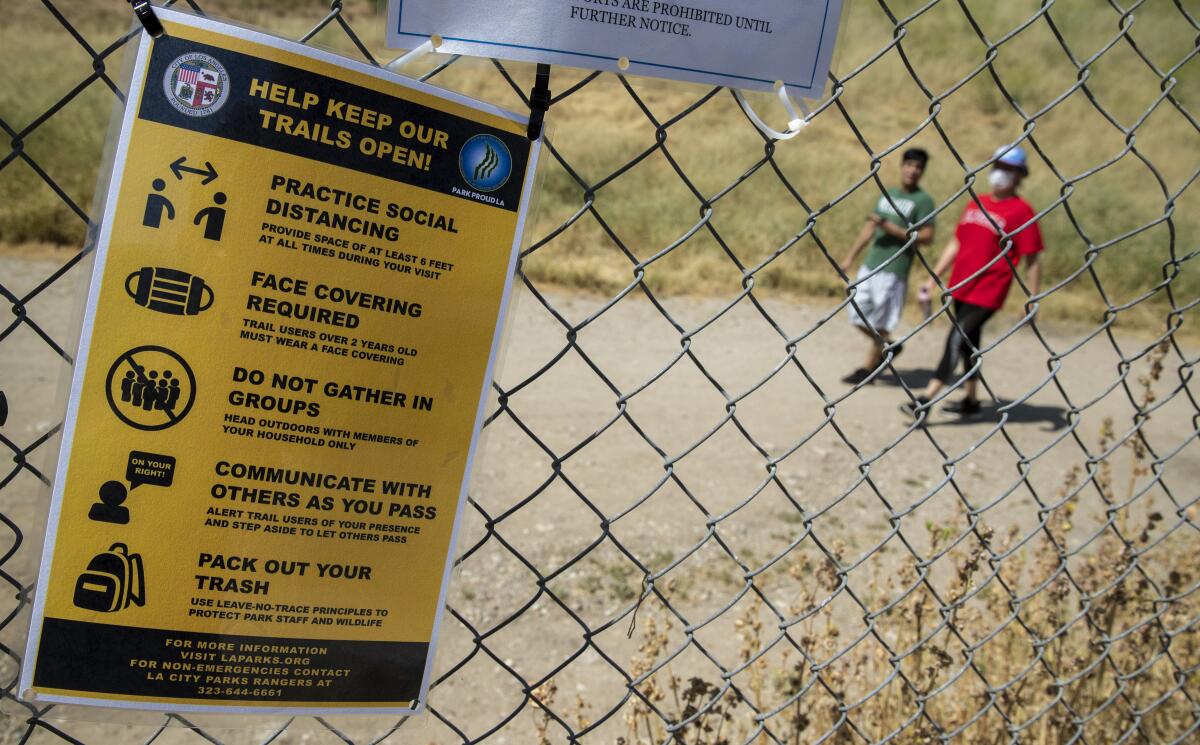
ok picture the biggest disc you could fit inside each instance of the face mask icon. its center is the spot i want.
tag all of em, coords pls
(169, 291)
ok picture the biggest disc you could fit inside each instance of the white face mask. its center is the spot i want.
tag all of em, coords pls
(1001, 180)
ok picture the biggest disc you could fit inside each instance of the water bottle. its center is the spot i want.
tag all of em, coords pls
(925, 301)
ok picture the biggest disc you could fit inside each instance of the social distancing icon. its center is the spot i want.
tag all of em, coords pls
(151, 388)
(159, 209)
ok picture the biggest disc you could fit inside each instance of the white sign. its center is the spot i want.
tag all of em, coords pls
(738, 43)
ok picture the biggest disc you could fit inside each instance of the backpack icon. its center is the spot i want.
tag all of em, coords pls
(112, 581)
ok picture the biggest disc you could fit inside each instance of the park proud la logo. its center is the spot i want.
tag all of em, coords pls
(196, 84)
(485, 163)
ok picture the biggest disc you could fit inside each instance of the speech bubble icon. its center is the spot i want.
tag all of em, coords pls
(149, 468)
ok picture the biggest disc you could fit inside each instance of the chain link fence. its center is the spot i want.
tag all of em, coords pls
(683, 528)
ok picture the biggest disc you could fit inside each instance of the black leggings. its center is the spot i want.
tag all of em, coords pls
(960, 345)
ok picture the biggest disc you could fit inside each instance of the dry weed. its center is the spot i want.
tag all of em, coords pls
(1072, 640)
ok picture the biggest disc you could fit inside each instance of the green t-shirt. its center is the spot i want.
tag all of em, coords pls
(914, 207)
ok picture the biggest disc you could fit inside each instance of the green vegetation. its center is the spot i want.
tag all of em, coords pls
(648, 207)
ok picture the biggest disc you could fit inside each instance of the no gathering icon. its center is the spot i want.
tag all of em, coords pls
(150, 388)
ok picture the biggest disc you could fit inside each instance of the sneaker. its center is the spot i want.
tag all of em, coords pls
(857, 376)
(911, 407)
(962, 407)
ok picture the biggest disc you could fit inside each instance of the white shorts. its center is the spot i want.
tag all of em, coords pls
(880, 300)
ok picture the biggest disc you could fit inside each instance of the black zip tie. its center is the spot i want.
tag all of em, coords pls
(145, 13)
(539, 101)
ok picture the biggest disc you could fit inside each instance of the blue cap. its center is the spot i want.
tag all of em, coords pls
(1013, 156)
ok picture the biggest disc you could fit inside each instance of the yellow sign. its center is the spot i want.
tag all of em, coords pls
(299, 284)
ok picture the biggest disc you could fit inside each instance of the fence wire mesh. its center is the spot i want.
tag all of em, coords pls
(683, 528)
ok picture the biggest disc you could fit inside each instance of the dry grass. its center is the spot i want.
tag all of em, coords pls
(1063, 637)
(760, 227)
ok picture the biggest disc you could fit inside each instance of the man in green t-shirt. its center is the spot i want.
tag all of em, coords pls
(882, 281)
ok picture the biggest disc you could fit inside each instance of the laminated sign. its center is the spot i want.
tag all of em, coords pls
(300, 279)
(751, 44)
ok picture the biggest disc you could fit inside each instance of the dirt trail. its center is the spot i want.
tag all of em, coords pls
(693, 497)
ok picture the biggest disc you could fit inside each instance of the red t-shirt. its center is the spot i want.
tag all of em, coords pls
(979, 243)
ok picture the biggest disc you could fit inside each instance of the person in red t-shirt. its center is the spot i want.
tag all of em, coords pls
(987, 246)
